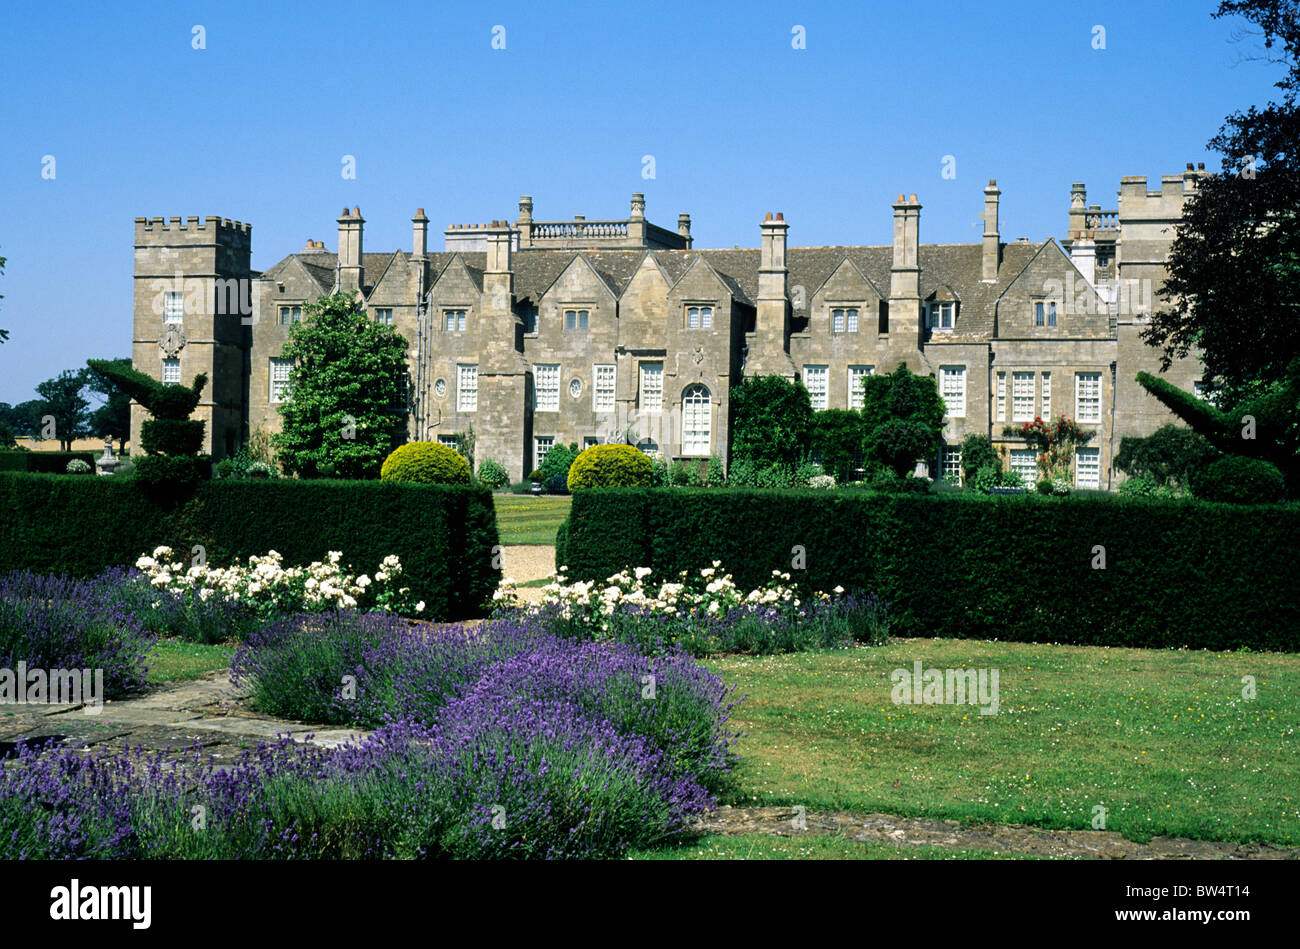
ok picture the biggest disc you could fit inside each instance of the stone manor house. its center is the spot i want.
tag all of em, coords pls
(534, 332)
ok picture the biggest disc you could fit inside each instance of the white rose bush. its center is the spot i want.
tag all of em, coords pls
(703, 613)
(246, 596)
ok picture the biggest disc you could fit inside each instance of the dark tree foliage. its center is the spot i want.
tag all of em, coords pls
(66, 405)
(771, 421)
(1170, 455)
(113, 418)
(836, 438)
(1235, 260)
(902, 396)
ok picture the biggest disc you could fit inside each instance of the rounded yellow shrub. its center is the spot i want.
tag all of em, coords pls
(425, 463)
(610, 466)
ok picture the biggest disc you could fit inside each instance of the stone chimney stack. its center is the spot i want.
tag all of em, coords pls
(351, 270)
(636, 221)
(684, 228)
(420, 234)
(769, 353)
(1083, 252)
(524, 223)
(905, 273)
(992, 242)
(498, 248)
(1078, 208)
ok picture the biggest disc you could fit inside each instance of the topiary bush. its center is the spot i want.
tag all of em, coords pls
(167, 436)
(610, 466)
(425, 463)
(1236, 479)
(492, 474)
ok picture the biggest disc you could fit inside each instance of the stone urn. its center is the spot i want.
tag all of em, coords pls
(106, 463)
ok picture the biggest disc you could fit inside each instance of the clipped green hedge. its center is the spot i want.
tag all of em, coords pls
(43, 462)
(444, 535)
(1177, 573)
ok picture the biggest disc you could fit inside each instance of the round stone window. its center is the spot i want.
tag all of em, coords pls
(575, 388)
(440, 388)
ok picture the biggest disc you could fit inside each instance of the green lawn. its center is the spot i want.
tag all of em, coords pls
(524, 519)
(808, 847)
(171, 660)
(1163, 739)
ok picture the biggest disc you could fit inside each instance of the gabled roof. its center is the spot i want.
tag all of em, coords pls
(945, 269)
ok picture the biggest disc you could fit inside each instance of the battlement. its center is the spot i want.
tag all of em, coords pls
(194, 230)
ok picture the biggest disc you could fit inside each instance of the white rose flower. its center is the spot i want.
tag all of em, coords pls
(419, 607)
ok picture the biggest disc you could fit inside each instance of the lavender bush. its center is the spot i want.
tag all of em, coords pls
(52, 622)
(180, 613)
(535, 779)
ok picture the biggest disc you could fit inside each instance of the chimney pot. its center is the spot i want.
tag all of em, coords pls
(356, 212)
(780, 216)
(901, 199)
(993, 181)
(1200, 166)
(913, 198)
(419, 212)
(767, 216)
(1189, 167)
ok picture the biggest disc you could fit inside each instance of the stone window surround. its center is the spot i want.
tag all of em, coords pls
(537, 387)
(290, 305)
(934, 307)
(379, 315)
(832, 306)
(446, 308)
(1019, 376)
(597, 389)
(462, 390)
(949, 372)
(821, 397)
(1093, 467)
(274, 363)
(867, 371)
(641, 388)
(1050, 314)
(174, 313)
(1098, 400)
(565, 309)
(688, 305)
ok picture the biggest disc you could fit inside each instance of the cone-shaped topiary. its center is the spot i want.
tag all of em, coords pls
(425, 463)
(610, 466)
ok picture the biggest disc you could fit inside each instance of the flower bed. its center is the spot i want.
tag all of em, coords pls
(502, 741)
(51, 623)
(272, 589)
(703, 614)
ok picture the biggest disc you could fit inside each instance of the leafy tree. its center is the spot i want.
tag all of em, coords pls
(113, 418)
(772, 419)
(1168, 456)
(904, 396)
(6, 435)
(65, 402)
(836, 437)
(899, 444)
(1235, 260)
(558, 460)
(977, 453)
(347, 409)
(25, 418)
(902, 416)
(1263, 424)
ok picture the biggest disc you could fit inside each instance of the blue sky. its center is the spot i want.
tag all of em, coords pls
(739, 122)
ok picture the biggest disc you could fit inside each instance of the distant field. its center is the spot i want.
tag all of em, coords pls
(528, 520)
